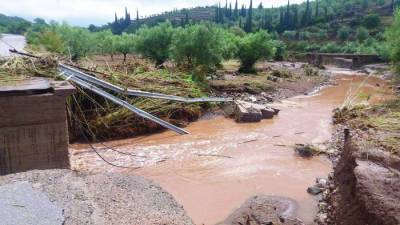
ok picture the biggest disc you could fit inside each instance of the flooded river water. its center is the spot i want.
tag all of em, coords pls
(11, 41)
(222, 163)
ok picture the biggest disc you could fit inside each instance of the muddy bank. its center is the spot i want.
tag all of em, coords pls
(365, 185)
(92, 199)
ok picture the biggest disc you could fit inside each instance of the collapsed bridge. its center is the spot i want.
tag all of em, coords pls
(353, 60)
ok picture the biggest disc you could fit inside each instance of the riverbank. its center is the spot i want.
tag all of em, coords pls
(364, 187)
(365, 184)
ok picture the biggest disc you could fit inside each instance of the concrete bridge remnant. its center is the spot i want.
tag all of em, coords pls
(353, 61)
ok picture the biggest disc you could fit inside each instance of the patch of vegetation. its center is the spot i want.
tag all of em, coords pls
(253, 84)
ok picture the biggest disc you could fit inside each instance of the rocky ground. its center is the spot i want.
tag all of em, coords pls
(78, 198)
(273, 81)
(263, 209)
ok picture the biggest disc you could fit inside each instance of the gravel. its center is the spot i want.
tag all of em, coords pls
(103, 198)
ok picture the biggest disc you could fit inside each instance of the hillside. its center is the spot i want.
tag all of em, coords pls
(290, 17)
(13, 24)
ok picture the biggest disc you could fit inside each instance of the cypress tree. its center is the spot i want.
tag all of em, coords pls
(305, 20)
(295, 16)
(260, 6)
(137, 14)
(187, 18)
(236, 12)
(226, 8)
(230, 11)
(243, 11)
(220, 14)
(249, 20)
(317, 9)
(287, 24)
(217, 14)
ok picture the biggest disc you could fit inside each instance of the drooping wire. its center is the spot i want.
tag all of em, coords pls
(82, 129)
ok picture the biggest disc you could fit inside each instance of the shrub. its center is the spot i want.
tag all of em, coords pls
(280, 53)
(331, 47)
(343, 33)
(362, 34)
(372, 21)
(254, 47)
(289, 35)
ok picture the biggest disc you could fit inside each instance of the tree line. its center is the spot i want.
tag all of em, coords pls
(194, 46)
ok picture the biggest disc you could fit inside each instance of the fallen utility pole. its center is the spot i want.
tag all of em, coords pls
(123, 103)
(94, 80)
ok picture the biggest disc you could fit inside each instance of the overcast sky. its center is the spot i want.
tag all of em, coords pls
(99, 12)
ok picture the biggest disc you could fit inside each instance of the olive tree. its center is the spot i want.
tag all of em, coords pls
(198, 45)
(253, 47)
(107, 42)
(124, 44)
(154, 42)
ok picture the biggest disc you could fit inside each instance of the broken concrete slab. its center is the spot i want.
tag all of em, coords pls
(245, 114)
(21, 204)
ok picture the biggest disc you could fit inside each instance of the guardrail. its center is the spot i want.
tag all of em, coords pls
(130, 92)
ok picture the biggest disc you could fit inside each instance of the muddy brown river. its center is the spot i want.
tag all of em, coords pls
(222, 163)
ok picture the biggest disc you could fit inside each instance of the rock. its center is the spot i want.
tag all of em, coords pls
(268, 113)
(305, 150)
(276, 111)
(264, 210)
(321, 218)
(251, 112)
(321, 182)
(322, 206)
(314, 190)
(247, 115)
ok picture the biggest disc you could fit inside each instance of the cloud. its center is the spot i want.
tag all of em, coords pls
(85, 12)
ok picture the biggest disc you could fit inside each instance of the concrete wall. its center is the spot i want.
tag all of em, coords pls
(33, 132)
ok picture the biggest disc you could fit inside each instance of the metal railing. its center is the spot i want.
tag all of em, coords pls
(123, 103)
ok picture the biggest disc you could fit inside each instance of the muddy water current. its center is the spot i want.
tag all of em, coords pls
(222, 163)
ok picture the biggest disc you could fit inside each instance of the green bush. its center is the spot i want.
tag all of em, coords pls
(331, 47)
(343, 33)
(362, 34)
(372, 21)
(253, 47)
